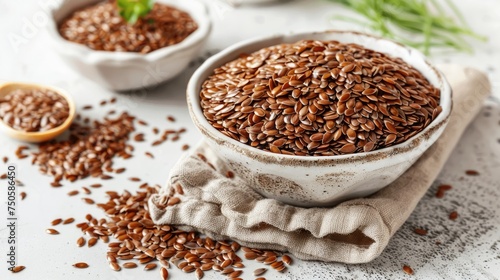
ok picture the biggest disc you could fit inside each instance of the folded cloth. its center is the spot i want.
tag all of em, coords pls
(355, 231)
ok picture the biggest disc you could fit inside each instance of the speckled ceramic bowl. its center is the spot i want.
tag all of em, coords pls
(327, 180)
(129, 70)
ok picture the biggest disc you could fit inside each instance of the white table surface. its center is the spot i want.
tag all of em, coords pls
(470, 246)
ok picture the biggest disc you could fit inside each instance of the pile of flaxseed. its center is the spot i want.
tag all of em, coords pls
(100, 27)
(319, 98)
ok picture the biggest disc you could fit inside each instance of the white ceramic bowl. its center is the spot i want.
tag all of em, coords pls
(327, 180)
(129, 70)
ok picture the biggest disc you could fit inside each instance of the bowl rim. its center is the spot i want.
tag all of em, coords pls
(197, 9)
(208, 130)
(71, 114)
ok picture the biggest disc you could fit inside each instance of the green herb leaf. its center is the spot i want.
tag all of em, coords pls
(418, 23)
(132, 10)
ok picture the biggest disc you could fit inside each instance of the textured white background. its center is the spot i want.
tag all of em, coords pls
(470, 245)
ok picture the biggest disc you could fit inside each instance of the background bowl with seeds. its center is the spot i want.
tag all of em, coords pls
(295, 136)
(34, 113)
(92, 38)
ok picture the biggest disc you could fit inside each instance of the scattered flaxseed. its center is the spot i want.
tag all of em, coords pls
(453, 215)
(18, 268)
(139, 137)
(134, 179)
(112, 100)
(5, 159)
(104, 102)
(111, 112)
(150, 155)
(3, 176)
(408, 270)
(88, 200)
(472, 172)
(259, 271)
(164, 273)
(96, 185)
(58, 158)
(56, 222)
(56, 184)
(92, 241)
(87, 107)
(287, 259)
(230, 174)
(51, 231)
(141, 122)
(129, 265)
(68, 221)
(442, 189)
(420, 231)
(81, 265)
(171, 118)
(106, 177)
(150, 266)
(86, 190)
(80, 242)
(156, 130)
(120, 170)
(22, 195)
(185, 147)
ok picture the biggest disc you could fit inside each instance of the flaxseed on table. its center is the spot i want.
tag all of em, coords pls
(319, 98)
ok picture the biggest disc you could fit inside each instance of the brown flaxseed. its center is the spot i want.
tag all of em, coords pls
(81, 265)
(408, 270)
(100, 27)
(80, 242)
(150, 266)
(453, 215)
(5, 159)
(22, 195)
(74, 192)
(472, 172)
(420, 231)
(18, 268)
(51, 231)
(68, 221)
(87, 152)
(129, 265)
(164, 273)
(318, 98)
(56, 222)
(88, 200)
(185, 147)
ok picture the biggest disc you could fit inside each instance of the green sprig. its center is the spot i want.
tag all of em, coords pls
(132, 10)
(401, 20)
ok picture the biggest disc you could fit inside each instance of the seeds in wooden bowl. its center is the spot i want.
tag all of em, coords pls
(319, 98)
(33, 110)
(100, 27)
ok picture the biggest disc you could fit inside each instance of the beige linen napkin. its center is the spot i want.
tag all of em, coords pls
(355, 231)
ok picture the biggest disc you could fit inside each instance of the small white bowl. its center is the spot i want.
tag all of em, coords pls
(323, 180)
(129, 70)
